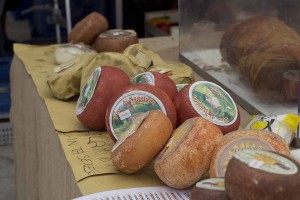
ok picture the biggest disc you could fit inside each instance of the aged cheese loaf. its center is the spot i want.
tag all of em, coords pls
(263, 48)
(244, 139)
(186, 157)
(132, 100)
(209, 189)
(96, 94)
(210, 101)
(88, 29)
(138, 145)
(162, 81)
(115, 40)
(263, 175)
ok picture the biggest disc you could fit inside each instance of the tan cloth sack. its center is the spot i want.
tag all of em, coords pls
(134, 60)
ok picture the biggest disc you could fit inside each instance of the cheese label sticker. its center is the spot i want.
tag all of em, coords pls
(127, 108)
(144, 78)
(213, 103)
(88, 91)
(131, 129)
(212, 184)
(267, 161)
(180, 86)
(237, 145)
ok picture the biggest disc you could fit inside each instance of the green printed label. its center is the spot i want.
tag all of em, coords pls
(267, 161)
(88, 91)
(237, 145)
(127, 108)
(212, 184)
(180, 86)
(131, 129)
(213, 103)
(144, 78)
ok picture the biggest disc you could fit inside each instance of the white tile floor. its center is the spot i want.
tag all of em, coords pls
(7, 173)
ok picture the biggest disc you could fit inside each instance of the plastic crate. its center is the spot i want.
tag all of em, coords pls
(5, 100)
(4, 69)
(6, 136)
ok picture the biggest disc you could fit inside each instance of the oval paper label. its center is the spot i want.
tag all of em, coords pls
(180, 86)
(144, 78)
(88, 91)
(213, 103)
(267, 161)
(128, 106)
(237, 145)
(212, 184)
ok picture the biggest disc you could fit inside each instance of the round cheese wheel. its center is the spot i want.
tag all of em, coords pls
(96, 94)
(137, 146)
(186, 157)
(244, 139)
(134, 99)
(115, 40)
(210, 101)
(162, 81)
(87, 29)
(263, 175)
(209, 189)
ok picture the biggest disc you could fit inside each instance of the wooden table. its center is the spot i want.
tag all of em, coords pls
(42, 171)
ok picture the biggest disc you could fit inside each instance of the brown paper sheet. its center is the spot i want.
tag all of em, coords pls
(87, 152)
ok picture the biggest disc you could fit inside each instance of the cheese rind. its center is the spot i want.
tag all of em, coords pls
(186, 157)
(257, 174)
(145, 140)
(134, 99)
(209, 189)
(210, 101)
(96, 94)
(244, 139)
(115, 40)
(160, 80)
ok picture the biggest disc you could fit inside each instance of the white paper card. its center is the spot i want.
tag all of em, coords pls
(145, 193)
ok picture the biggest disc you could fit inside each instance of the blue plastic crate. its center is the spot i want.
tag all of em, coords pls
(5, 100)
(4, 69)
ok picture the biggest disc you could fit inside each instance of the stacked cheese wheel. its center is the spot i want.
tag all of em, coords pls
(162, 81)
(210, 101)
(186, 157)
(96, 94)
(132, 100)
(244, 139)
(87, 29)
(115, 40)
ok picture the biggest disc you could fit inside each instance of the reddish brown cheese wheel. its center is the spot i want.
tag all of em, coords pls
(209, 189)
(148, 133)
(134, 99)
(96, 94)
(185, 159)
(115, 40)
(263, 175)
(88, 28)
(162, 81)
(210, 101)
